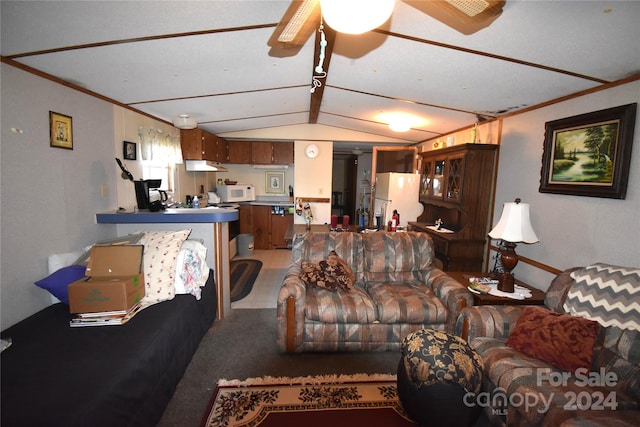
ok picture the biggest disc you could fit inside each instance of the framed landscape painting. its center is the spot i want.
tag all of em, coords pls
(589, 154)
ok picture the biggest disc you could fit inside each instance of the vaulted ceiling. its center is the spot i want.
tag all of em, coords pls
(211, 59)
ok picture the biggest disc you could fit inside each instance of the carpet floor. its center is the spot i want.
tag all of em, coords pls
(242, 275)
(243, 345)
(357, 400)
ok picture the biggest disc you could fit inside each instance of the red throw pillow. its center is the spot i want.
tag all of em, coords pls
(559, 339)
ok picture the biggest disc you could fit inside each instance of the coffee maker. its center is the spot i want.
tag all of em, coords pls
(148, 196)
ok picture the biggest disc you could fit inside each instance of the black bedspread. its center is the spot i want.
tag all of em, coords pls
(54, 375)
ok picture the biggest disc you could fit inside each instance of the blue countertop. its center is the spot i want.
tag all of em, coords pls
(180, 215)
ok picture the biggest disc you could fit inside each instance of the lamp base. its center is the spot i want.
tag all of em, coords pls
(506, 282)
(509, 260)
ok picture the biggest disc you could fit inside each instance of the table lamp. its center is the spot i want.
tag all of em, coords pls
(514, 227)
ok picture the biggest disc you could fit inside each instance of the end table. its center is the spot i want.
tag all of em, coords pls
(537, 296)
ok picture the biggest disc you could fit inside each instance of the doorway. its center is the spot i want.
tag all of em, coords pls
(348, 173)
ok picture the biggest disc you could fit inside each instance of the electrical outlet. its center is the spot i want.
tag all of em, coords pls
(104, 190)
(320, 191)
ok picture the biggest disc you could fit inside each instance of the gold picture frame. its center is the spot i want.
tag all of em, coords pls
(274, 182)
(60, 131)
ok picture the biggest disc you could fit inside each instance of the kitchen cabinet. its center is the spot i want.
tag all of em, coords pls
(239, 152)
(282, 153)
(198, 144)
(457, 187)
(280, 223)
(268, 229)
(267, 153)
(261, 226)
(245, 218)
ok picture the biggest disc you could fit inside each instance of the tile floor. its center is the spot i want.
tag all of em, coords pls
(265, 290)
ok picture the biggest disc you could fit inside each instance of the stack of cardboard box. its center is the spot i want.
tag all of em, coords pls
(112, 289)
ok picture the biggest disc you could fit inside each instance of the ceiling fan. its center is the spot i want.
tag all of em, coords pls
(302, 18)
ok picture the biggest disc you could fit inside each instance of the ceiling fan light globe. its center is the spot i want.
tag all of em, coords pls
(183, 121)
(356, 16)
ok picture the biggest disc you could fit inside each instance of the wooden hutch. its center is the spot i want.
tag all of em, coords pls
(457, 188)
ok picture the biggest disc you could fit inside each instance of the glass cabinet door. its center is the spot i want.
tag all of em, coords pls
(426, 179)
(438, 178)
(454, 179)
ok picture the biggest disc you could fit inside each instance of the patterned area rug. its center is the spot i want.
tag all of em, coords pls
(243, 274)
(333, 400)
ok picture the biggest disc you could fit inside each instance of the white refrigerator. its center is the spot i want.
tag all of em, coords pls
(399, 191)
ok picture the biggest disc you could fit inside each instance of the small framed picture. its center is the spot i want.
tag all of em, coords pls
(129, 150)
(60, 131)
(274, 182)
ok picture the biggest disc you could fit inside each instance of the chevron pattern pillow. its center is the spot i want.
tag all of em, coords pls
(608, 294)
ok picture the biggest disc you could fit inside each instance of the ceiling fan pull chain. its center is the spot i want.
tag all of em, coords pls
(319, 70)
(323, 45)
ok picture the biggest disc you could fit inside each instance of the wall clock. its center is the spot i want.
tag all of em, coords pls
(311, 151)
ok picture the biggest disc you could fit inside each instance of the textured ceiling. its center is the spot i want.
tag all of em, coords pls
(210, 59)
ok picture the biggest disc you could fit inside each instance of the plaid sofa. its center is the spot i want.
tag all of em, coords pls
(521, 390)
(397, 291)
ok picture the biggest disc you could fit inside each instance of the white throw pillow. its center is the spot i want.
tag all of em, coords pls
(161, 250)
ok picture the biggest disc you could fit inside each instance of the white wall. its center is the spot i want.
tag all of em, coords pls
(49, 195)
(313, 179)
(573, 230)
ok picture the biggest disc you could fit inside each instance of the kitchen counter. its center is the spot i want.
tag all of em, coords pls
(285, 204)
(172, 215)
(210, 225)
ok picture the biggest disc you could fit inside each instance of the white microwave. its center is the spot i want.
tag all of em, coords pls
(236, 193)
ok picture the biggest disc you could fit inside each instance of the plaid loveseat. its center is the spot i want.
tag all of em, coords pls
(522, 389)
(397, 291)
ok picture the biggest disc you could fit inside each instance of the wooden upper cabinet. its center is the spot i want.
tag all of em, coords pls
(261, 153)
(271, 153)
(198, 144)
(201, 145)
(222, 150)
(239, 152)
(283, 153)
(192, 144)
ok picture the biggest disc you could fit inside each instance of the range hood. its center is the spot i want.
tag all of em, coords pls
(204, 166)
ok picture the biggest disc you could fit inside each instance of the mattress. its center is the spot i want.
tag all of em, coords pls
(125, 375)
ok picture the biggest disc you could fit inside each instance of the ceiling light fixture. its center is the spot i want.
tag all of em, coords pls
(400, 126)
(356, 16)
(400, 121)
(183, 121)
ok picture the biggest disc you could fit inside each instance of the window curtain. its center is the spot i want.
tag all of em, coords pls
(159, 146)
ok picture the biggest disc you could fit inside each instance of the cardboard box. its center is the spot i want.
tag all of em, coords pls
(114, 280)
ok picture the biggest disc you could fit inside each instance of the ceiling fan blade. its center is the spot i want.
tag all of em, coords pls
(297, 24)
(465, 16)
